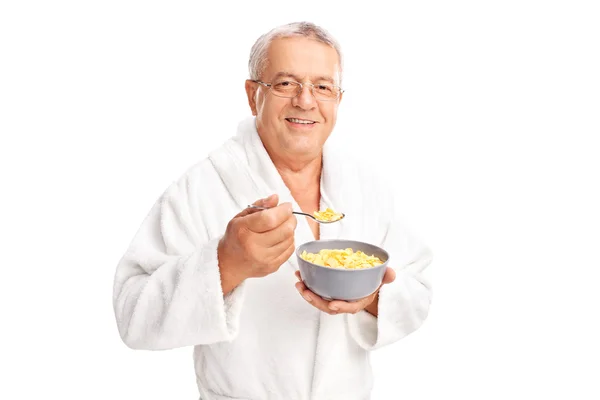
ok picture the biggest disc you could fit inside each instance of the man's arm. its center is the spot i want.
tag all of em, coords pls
(401, 306)
(167, 289)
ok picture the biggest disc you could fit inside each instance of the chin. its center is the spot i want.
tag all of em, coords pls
(304, 146)
(306, 152)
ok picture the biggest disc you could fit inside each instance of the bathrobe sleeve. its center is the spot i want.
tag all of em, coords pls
(167, 289)
(403, 304)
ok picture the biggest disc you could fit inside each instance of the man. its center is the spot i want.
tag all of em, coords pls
(206, 271)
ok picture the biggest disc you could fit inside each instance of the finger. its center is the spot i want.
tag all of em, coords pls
(280, 234)
(280, 250)
(297, 273)
(314, 299)
(389, 276)
(269, 219)
(285, 254)
(351, 307)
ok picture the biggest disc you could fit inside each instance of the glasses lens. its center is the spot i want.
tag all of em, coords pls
(292, 89)
(285, 88)
(326, 92)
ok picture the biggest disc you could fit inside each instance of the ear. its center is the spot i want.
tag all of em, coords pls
(251, 89)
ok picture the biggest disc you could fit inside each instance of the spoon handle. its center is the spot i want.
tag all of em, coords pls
(293, 212)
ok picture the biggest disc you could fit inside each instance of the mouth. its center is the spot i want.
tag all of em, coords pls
(301, 121)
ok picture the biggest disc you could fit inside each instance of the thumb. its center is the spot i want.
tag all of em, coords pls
(268, 202)
(390, 276)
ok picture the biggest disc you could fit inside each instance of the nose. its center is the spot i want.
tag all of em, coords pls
(305, 99)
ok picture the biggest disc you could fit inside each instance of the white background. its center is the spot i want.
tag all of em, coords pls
(486, 114)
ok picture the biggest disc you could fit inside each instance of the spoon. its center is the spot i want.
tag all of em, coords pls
(301, 213)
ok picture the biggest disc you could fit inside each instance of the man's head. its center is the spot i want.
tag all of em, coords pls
(292, 122)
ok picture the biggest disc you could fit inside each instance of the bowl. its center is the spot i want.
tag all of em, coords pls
(340, 283)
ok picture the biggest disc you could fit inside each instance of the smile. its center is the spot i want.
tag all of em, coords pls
(300, 121)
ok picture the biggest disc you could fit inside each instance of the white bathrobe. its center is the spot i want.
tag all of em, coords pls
(263, 341)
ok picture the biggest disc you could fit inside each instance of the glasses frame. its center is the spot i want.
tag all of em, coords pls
(308, 84)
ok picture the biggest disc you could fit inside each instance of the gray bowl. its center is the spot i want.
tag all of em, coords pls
(339, 283)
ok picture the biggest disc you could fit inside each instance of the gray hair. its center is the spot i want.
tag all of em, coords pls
(258, 54)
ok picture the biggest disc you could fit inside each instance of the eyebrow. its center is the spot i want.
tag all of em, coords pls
(296, 77)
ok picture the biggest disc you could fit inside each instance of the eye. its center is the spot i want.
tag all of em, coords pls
(285, 87)
(324, 88)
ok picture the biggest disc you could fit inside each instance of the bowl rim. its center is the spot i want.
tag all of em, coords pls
(300, 259)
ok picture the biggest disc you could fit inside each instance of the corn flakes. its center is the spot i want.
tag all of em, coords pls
(346, 259)
(327, 215)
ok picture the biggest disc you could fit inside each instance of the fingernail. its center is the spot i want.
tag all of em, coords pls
(334, 308)
(305, 295)
(264, 200)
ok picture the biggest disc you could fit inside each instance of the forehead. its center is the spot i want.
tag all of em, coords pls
(302, 57)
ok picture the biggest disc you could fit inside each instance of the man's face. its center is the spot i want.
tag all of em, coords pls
(279, 119)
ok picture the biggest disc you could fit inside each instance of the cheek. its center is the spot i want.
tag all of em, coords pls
(269, 109)
(330, 113)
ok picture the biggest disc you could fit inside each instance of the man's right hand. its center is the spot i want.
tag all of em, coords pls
(256, 242)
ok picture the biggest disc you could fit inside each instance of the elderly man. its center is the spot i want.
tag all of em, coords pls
(206, 271)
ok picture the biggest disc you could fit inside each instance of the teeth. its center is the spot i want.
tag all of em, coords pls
(299, 121)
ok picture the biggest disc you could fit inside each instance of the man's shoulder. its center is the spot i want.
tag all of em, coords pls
(204, 168)
(357, 173)
(219, 158)
(201, 168)
(370, 170)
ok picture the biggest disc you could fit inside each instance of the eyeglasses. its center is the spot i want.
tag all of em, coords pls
(290, 89)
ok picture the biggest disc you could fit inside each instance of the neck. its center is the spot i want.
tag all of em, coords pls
(301, 177)
(298, 174)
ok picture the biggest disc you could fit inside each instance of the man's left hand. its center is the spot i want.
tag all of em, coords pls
(339, 306)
